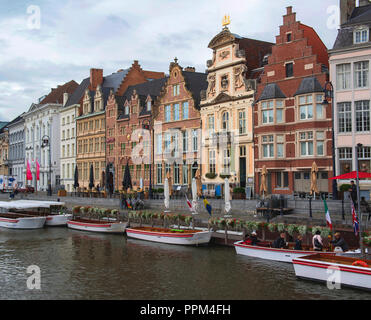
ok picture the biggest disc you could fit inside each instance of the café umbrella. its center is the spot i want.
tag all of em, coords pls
(313, 180)
(76, 178)
(227, 196)
(167, 194)
(126, 182)
(263, 185)
(91, 178)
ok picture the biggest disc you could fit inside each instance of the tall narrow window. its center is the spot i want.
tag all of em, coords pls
(185, 110)
(343, 76)
(185, 172)
(306, 143)
(267, 112)
(280, 146)
(167, 113)
(212, 162)
(176, 173)
(320, 143)
(185, 140)
(242, 122)
(159, 173)
(361, 74)
(268, 146)
(225, 121)
(195, 140)
(159, 144)
(363, 116)
(176, 90)
(226, 161)
(345, 117)
(306, 107)
(289, 70)
(176, 116)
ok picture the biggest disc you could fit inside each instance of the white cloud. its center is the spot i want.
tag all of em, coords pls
(77, 35)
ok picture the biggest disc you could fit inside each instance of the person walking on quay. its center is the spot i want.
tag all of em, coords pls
(353, 192)
(317, 241)
(280, 243)
(298, 243)
(339, 242)
(365, 207)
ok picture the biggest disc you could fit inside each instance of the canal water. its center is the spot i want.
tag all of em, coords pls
(80, 265)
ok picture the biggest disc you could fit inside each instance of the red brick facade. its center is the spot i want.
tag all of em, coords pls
(292, 128)
(177, 134)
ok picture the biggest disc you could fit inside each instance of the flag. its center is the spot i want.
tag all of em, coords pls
(207, 206)
(189, 204)
(37, 170)
(355, 219)
(328, 218)
(128, 205)
(28, 172)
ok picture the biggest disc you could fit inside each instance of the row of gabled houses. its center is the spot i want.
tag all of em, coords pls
(280, 105)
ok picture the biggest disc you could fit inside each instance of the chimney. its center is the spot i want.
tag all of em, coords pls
(289, 10)
(65, 98)
(364, 3)
(96, 78)
(346, 9)
(190, 69)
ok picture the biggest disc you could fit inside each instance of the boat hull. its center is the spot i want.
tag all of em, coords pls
(196, 238)
(58, 220)
(23, 223)
(282, 255)
(347, 275)
(97, 227)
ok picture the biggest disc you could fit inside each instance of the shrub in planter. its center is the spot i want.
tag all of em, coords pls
(160, 190)
(345, 187)
(222, 223)
(251, 226)
(325, 232)
(291, 228)
(188, 220)
(239, 190)
(315, 229)
(231, 223)
(272, 227)
(223, 176)
(302, 230)
(281, 227)
(76, 209)
(211, 175)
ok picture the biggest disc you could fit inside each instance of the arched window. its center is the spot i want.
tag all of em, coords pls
(225, 121)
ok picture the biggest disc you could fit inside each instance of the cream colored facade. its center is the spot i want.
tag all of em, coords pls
(68, 145)
(227, 117)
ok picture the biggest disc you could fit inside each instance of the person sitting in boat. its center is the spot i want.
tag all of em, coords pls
(280, 242)
(317, 241)
(252, 240)
(298, 243)
(339, 242)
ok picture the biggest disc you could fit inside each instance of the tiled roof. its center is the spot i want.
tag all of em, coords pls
(56, 95)
(78, 94)
(309, 85)
(360, 15)
(196, 82)
(271, 91)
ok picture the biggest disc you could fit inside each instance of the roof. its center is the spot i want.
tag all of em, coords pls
(115, 79)
(17, 119)
(309, 85)
(271, 91)
(196, 82)
(360, 15)
(56, 95)
(78, 94)
(3, 124)
(152, 88)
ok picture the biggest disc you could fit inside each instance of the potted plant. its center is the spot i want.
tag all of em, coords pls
(239, 193)
(211, 175)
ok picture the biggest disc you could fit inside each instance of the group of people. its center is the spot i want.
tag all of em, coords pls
(338, 243)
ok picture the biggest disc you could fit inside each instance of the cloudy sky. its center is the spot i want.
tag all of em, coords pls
(45, 43)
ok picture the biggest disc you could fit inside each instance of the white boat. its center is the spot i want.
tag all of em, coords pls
(52, 219)
(264, 251)
(97, 226)
(342, 270)
(20, 221)
(170, 236)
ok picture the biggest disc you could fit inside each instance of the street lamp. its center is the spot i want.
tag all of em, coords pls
(329, 94)
(358, 148)
(146, 125)
(46, 143)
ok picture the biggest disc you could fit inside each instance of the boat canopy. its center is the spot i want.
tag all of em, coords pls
(28, 204)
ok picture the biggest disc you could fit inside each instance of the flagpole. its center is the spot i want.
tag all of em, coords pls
(359, 201)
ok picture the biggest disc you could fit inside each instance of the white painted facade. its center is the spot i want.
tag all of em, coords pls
(16, 151)
(40, 121)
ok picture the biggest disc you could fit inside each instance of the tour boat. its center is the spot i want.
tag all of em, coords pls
(21, 221)
(106, 226)
(353, 272)
(264, 251)
(170, 236)
(22, 206)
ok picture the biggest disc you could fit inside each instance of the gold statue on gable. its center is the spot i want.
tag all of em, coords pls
(226, 21)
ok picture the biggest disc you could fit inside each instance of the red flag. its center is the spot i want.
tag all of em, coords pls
(28, 172)
(189, 204)
(37, 170)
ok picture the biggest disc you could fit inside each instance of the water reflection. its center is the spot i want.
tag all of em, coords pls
(82, 265)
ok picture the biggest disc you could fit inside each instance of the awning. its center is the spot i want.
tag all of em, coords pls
(353, 175)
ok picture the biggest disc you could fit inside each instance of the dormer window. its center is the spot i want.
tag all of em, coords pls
(361, 35)
(149, 105)
(126, 110)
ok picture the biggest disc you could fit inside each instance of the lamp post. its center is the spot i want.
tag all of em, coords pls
(147, 124)
(329, 94)
(46, 143)
(358, 148)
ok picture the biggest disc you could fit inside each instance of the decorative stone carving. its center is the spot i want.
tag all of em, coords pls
(240, 53)
(224, 82)
(239, 78)
(211, 80)
(224, 54)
